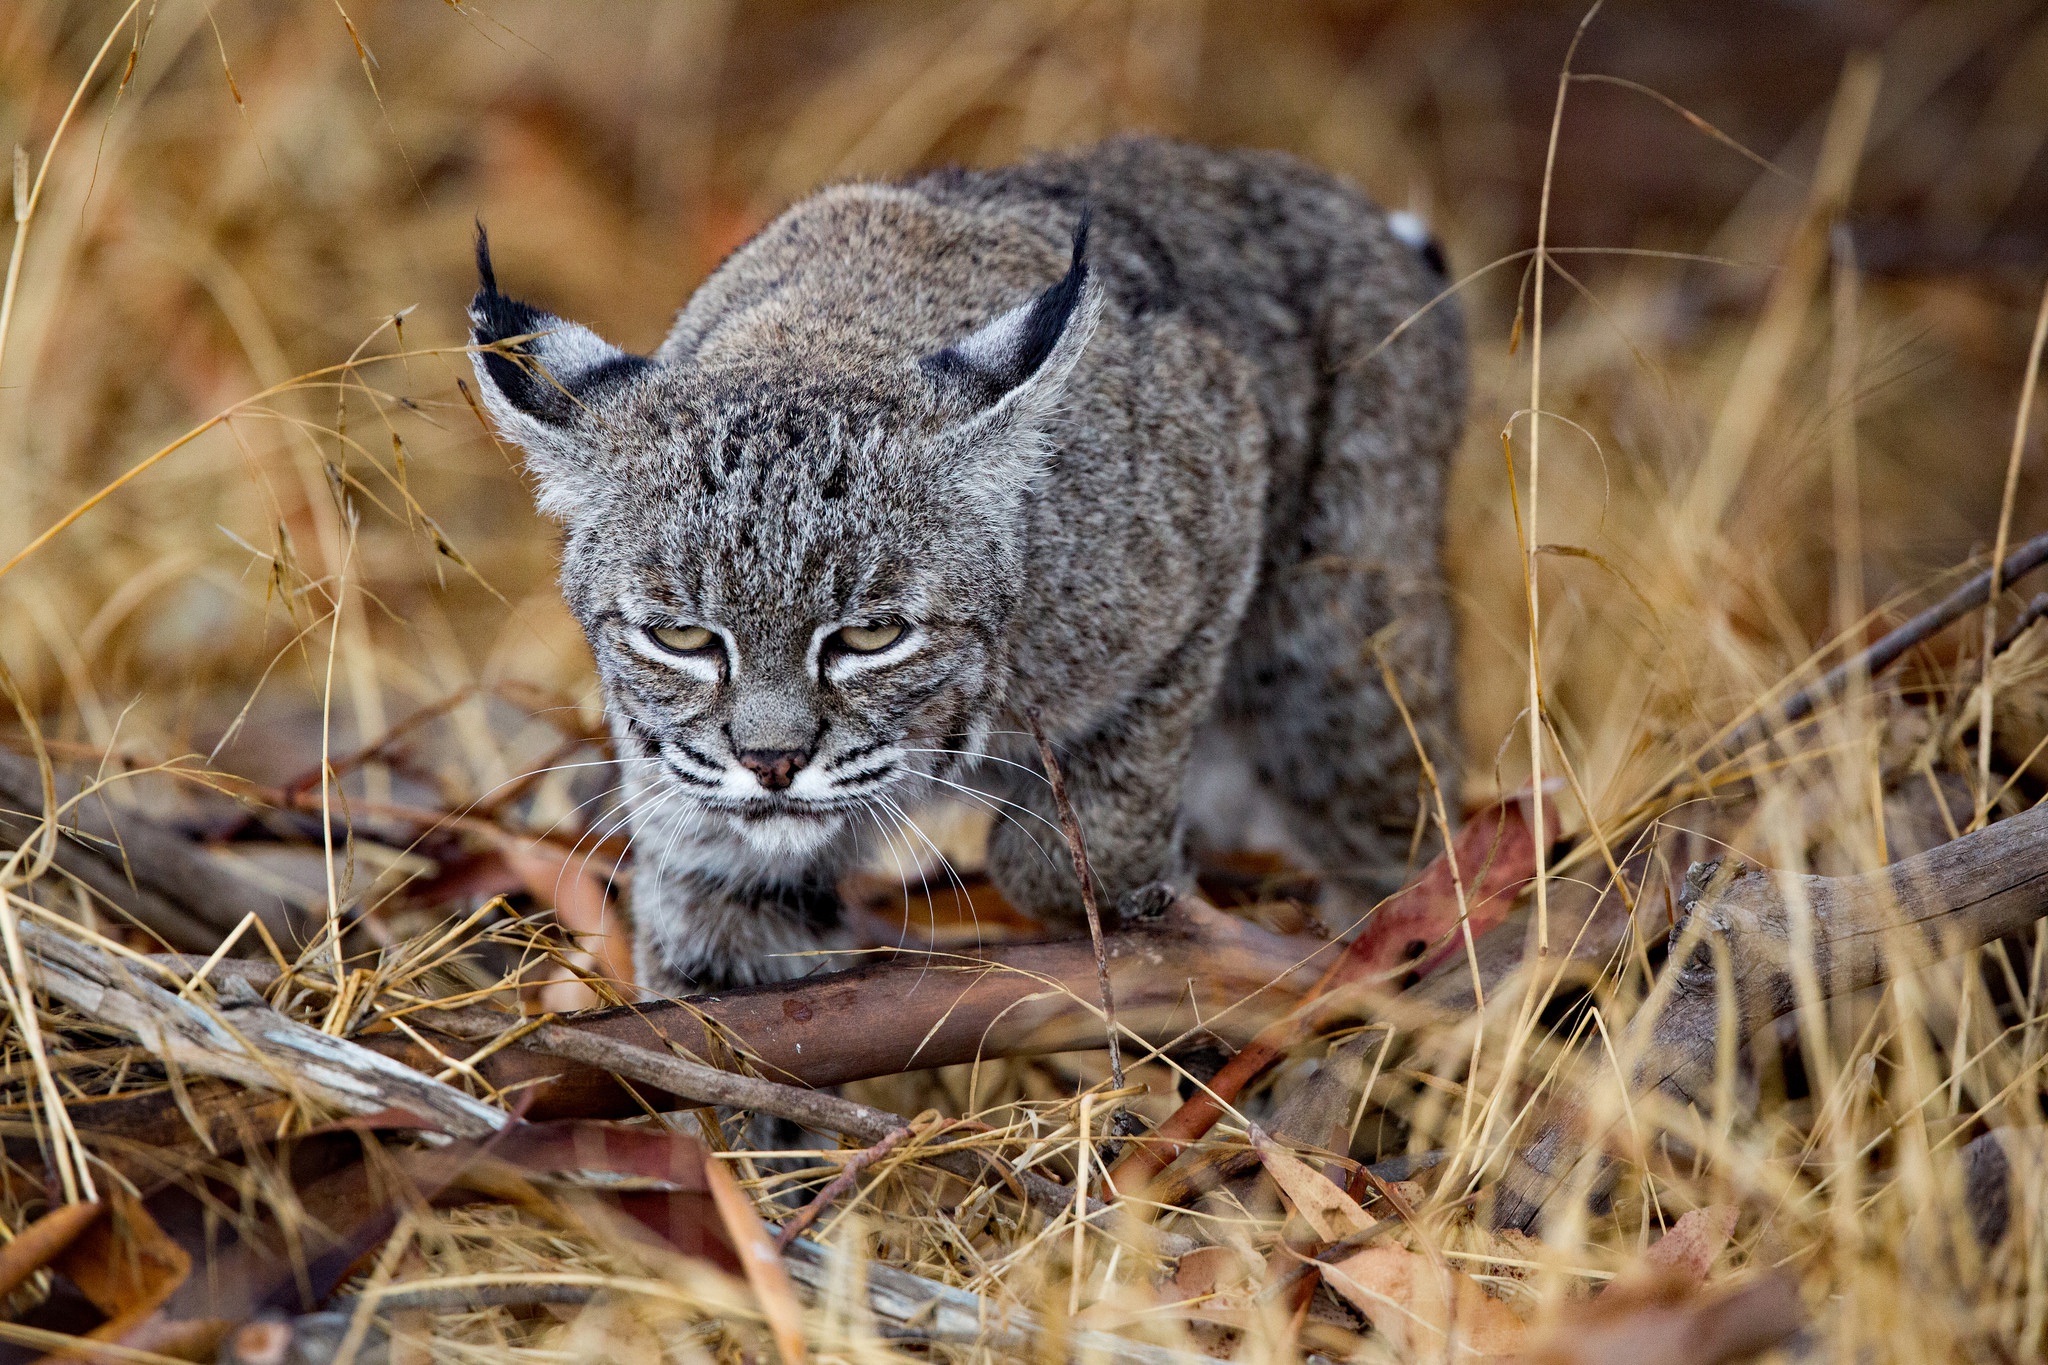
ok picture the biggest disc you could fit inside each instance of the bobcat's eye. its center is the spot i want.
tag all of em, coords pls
(682, 639)
(867, 639)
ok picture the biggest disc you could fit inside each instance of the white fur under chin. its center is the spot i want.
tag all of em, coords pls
(786, 837)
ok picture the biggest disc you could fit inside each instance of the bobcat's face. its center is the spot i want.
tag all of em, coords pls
(796, 573)
(791, 626)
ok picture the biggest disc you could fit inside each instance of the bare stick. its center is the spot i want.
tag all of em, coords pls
(1088, 889)
(170, 884)
(2031, 613)
(1888, 650)
(245, 1040)
(816, 1109)
(940, 1313)
(1086, 875)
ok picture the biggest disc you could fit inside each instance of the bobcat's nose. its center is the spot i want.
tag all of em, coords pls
(775, 769)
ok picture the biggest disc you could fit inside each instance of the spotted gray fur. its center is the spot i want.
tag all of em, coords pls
(1163, 482)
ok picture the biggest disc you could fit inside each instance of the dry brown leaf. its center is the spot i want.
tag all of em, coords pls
(1688, 1250)
(763, 1268)
(125, 1264)
(1416, 1305)
(1334, 1214)
(1209, 1270)
(1664, 1321)
(42, 1241)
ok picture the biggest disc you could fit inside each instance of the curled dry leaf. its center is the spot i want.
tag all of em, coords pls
(1334, 1214)
(1422, 1308)
(36, 1245)
(125, 1265)
(1688, 1250)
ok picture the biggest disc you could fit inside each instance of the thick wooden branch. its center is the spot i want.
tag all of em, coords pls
(1864, 930)
(1198, 974)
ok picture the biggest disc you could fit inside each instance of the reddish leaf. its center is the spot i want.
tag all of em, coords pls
(41, 1241)
(125, 1265)
(1494, 857)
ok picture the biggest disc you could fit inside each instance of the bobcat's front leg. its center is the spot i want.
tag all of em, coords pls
(1124, 779)
(700, 923)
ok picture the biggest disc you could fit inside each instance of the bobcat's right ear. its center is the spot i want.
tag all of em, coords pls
(1019, 362)
(538, 375)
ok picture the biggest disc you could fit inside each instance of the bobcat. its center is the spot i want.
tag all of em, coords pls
(1116, 440)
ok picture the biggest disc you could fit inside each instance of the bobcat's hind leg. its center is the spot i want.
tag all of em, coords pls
(1353, 583)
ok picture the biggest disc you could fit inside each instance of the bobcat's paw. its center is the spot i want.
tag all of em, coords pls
(1147, 904)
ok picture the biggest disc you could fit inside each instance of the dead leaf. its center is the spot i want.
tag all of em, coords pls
(1416, 1305)
(124, 1264)
(1664, 1321)
(763, 1268)
(1688, 1250)
(1334, 1214)
(43, 1240)
(1495, 856)
(1208, 1270)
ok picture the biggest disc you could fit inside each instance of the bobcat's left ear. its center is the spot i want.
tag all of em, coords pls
(1019, 362)
(538, 375)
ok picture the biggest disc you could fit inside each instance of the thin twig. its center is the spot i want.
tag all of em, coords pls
(847, 1178)
(815, 1109)
(2031, 613)
(1086, 875)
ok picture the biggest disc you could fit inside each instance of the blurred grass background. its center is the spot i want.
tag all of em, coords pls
(251, 192)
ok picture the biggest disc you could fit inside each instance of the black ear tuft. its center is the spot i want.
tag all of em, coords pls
(545, 374)
(1054, 308)
(1011, 349)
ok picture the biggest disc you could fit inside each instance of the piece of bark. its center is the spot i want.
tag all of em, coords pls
(1865, 929)
(172, 886)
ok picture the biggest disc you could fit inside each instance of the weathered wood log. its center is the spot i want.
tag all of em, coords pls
(244, 1040)
(1864, 930)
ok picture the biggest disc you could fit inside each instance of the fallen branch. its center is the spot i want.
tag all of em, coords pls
(1864, 930)
(1198, 976)
(245, 1040)
(820, 1110)
(930, 1311)
(1886, 651)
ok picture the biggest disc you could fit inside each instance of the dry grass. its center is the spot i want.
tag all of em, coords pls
(1749, 447)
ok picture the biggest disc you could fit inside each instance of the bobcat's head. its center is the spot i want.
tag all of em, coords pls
(795, 548)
